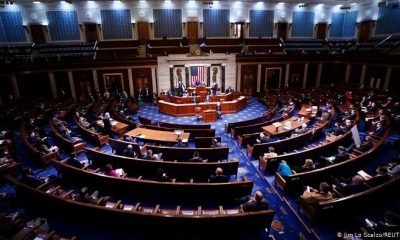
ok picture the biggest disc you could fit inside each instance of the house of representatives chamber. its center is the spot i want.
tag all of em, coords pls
(199, 119)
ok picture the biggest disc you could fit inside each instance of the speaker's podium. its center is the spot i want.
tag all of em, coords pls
(209, 116)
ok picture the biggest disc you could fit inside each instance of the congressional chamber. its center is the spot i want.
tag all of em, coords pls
(199, 119)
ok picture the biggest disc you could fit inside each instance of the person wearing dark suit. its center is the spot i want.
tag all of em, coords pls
(228, 90)
(357, 185)
(256, 203)
(336, 130)
(161, 176)
(180, 144)
(107, 123)
(196, 158)
(129, 152)
(73, 161)
(219, 177)
(379, 131)
(215, 143)
(341, 155)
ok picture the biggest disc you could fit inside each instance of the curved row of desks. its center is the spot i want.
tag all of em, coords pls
(180, 170)
(139, 188)
(293, 184)
(134, 216)
(172, 154)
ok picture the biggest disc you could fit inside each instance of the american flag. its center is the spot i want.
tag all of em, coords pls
(196, 74)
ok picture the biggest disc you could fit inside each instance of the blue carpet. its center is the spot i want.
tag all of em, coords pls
(288, 223)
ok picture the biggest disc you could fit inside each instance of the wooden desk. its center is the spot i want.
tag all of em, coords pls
(117, 126)
(201, 98)
(271, 129)
(209, 116)
(188, 109)
(308, 112)
(157, 136)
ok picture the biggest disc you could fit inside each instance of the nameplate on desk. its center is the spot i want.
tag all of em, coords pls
(232, 211)
(211, 213)
(110, 205)
(128, 207)
(147, 210)
(187, 212)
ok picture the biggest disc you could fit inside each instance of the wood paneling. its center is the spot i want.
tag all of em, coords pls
(355, 73)
(193, 32)
(37, 33)
(296, 73)
(84, 85)
(375, 73)
(249, 79)
(143, 32)
(282, 29)
(321, 30)
(5, 89)
(333, 73)
(34, 85)
(91, 32)
(141, 79)
(364, 30)
(62, 83)
(124, 72)
(312, 75)
(394, 83)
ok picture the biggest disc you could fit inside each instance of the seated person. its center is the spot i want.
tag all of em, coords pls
(109, 171)
(228, 90)
(308, 165)
(365, 145)
(28, 177)
(215, 143)
(219, 177)
(379, 131)
(312, 195)
(179, 144)
(84, 122)
(128, 138)
(336, 130)
(355, 186)
(33, 138)
(207, 99)
(271, 153)
(196, 158)
(341, 156)
(255, 203)
(129, 152)
(151, 156)
(85, 197)
(44, 149)
(68, 135)
(284, 169)
(73, 161)
(347, 126)
(300, 130)
(161, 176)
(263, 138)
